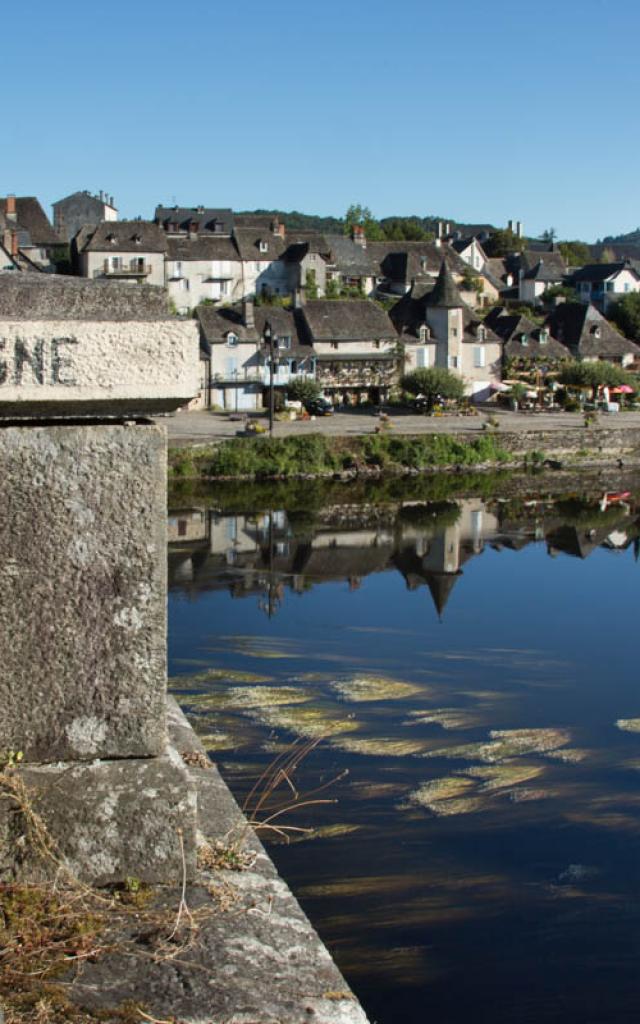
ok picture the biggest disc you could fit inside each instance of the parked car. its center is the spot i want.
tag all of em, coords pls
(319, 407)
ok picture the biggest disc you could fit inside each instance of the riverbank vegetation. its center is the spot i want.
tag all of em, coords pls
(314, 455)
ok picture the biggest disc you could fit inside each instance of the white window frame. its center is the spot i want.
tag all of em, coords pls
(479, 357)
(232, 340)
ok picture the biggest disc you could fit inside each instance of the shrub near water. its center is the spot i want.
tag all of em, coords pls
(264, 457)
(314, 454)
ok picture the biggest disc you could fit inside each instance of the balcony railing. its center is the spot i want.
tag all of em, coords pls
(134, 268)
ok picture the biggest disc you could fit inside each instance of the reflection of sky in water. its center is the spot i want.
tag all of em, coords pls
(481, 860)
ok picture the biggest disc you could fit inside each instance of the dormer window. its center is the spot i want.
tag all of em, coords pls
(112, 239)
(524, 339)
(193, 226)
(232, 339)
(596, 331)
(482, 333)
(424, 333)
(423, 263)
(263, 246)
(285, 341)
(544, 337)
(137, 239)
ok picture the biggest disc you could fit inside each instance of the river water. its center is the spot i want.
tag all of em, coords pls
(456, 675)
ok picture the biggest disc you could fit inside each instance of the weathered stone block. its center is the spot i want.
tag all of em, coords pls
(108, 820)
(71, 347)
(82, 591)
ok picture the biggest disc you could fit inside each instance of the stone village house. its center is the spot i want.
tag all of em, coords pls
(437, 329)
(234, 361)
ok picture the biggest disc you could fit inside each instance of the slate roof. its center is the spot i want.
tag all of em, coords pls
(350, 258)
(54, 296)
(576, 326)
(204, 247)
(300, 243)
(126, 236)
(510, 328)
(31, 218)
(445, 294)
(357, 320)
(206, 218)
(497, 266)
(248, 244)
(410, 261)
(598, 272)
(215, 324)
(460, 244)
(410, 313)
(548, 266)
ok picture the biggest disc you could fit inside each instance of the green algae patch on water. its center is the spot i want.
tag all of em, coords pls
(505, 744)
(213, 675)
(361, 688)
(379, 747)
(326, 832)
(314, 723)
(214, 741)
(504, 776)
(447, 796)
(239, 697)
(447, 718)
(568, 755)
(628, 724)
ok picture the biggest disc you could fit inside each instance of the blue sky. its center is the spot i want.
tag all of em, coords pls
(475, 111)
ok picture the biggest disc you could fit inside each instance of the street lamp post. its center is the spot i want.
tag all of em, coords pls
(271, 343)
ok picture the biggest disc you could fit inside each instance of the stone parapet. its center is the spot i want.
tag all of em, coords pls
(53, 368)
(83, 594)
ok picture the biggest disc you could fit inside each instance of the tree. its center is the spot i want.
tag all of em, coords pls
(549, 235)
(594, 375)
(626, 315)
(607, 256)
(575, 254)
(431, 382)
(502, 242)
(311, 285)
(361, 216)
(303, 389)
(405, 229)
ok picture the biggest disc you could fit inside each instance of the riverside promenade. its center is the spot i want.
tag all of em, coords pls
(203, 427)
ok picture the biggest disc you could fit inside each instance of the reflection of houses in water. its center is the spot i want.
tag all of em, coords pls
(435, 557)
(268, 554)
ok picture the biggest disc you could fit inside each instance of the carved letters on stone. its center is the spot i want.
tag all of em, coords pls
(40, 361)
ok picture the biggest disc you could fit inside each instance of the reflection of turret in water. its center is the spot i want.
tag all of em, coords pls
(434, 554)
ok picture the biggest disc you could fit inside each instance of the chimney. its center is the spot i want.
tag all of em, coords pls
(111, 201)
(14, 243)
(358, 235)
(510, 226)
(247, 313)
(519, 228)
(447, 228)
(278, 229)
(439, 230)
(438, 241)
(10, 209)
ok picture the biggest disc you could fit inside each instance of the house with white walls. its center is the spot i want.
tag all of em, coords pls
(437, 328)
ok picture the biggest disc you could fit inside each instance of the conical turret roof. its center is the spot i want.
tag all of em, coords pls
(445, 293)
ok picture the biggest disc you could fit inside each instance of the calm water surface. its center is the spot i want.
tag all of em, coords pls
(472, 665)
